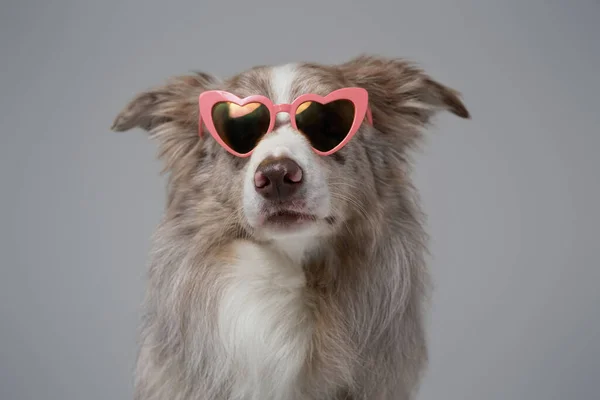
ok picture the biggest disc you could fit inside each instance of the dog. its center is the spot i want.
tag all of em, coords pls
(282, 269)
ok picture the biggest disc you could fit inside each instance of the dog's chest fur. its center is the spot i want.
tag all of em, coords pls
(264, 323)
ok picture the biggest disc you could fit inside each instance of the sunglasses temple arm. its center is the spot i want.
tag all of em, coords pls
(200, 125)
(369, 116)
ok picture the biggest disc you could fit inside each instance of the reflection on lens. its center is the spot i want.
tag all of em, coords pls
(303, 107)
(241, 127)
(236, 111)
(325, 125)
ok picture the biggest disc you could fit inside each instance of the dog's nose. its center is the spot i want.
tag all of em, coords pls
(277, 178)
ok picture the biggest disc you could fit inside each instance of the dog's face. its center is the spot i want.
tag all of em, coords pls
(289, 192)
(285, 192)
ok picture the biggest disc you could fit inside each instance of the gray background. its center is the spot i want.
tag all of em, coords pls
(512, 195)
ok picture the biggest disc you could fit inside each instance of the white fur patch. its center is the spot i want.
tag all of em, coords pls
(282, 78)
(264, 323)
(287, 142)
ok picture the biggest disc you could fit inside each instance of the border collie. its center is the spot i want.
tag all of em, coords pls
(289, 264)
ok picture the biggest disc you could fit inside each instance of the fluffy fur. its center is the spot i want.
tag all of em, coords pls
(331, 311)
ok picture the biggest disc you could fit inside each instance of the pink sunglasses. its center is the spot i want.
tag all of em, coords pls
(327, 122)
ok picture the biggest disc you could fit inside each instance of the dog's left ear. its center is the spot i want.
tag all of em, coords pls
(399, 89)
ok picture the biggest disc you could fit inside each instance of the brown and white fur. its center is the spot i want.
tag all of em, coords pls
(330, 310)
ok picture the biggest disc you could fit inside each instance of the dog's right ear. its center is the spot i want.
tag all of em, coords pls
(170, 114)
(176, 103)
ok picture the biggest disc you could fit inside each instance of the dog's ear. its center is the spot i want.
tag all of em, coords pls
(174, 102)
(400, 92)
(170, 114)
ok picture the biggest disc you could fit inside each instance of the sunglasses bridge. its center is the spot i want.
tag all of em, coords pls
(282, 108)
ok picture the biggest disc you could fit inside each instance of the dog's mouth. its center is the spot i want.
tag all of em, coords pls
(288, 218)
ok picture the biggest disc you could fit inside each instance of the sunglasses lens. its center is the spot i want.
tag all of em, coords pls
(241, 127)
(325, 125)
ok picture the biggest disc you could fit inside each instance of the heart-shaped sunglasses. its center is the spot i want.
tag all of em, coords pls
(327, 122)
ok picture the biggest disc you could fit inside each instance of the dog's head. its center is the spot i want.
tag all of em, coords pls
(285, 192)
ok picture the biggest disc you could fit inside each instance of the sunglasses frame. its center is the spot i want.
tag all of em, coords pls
(358, 96)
